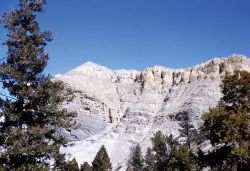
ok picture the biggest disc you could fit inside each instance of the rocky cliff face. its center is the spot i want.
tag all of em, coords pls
(120, 108)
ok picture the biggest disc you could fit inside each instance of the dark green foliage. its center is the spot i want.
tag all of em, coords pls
(187, 129)
(32, 167)
(228, 125)
(150, 160)
(236, 92)
(72, 165)
(32, 109)
(2, 168)
(60, 162)
(85, 167)
(185, 159)
(161, 151)
(215, 158)
(102, 161)
(137, 159)
(62, 165)
(168, 155)
(172, 149)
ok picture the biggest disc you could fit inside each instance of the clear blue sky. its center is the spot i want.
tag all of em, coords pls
(134, 34)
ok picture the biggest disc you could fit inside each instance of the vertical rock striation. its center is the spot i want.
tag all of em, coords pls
(122, 107)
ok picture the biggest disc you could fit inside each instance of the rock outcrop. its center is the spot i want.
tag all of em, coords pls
(120, 108)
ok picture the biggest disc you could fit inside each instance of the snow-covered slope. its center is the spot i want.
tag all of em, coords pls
(120, 108)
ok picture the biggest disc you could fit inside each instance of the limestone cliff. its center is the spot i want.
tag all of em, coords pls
(122, 107)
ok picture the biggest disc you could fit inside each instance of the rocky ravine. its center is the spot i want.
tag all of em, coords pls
(120, 108)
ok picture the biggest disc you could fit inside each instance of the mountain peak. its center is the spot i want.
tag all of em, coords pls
(89, 68)
(90, 63)
(214, 68)
(121, 108)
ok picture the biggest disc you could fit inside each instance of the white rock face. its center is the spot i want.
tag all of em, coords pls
(120, 108)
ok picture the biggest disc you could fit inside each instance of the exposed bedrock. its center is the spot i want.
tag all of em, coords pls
(119, 108)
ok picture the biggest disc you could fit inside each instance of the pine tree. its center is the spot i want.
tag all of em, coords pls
(150, 160)
(228, 125)
(72, 165)
(169, 155)
(161, 151)
(172, 150)
(32, 110)
(102, 161)
(187, 129)
(60, 162)
(85, 167)
(184, 159)
(137, 159)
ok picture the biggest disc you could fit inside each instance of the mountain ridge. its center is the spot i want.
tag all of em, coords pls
(121, 108)
(211, 68)
(232, 56)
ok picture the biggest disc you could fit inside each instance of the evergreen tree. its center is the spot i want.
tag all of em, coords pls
(184, 159)
(161, 151)
(32, 110)
(170, 155)
(228, 125)
(72, 165)
(187, 129)
(183, 156)
(150, 160)
(85, 167)
(60, 161)
(137, 159)
(172, 150)
(102, 161)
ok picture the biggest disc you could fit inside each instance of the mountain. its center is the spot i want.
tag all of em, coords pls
(118, 108)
